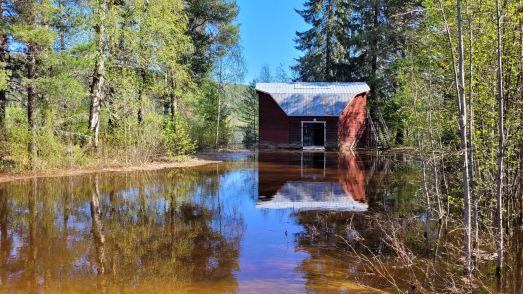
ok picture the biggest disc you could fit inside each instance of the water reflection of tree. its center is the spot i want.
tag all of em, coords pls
(132, 229)
(332, 238)
(98, 234)
(327, 237)
(173, 234)
(393, 245)
(391, 183)
(6, 241)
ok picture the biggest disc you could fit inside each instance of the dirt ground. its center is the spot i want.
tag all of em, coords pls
(190, 162)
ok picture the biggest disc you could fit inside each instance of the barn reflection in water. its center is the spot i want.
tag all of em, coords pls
(311, 181)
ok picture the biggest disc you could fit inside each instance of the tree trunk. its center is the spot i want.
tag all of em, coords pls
(521, 118)
(173, 98)
(471, 128)
(501, 151)
(220, 92)
(174, 105)
(97, 230)
(218, 120)
(463, 134)
(140, 96)
(31, 99)
(143, 73)
(374, 46)
(97, 93)
(3, 59)
(328, 45)
(433, 148)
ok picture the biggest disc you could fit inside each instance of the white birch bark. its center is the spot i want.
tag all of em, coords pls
(97, 93)
(501, 146)
(463, 134)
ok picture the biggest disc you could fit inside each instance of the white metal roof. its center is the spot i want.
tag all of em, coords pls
(313, 99)
(312, 196)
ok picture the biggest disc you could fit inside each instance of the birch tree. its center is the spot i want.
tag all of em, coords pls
(3, 71)
(97, 84)
(229, 69)
(501, 144)
(463, 134)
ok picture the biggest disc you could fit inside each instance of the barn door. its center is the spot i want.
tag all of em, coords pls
(313, 134)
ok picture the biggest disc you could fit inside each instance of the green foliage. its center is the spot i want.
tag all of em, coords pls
(427, 105)
(17, 137)
(160, 67)
(355, 41)
(30, 34)
(216, 34)
(360, 41)
(51, 149)
(176, 137)
(4, 74)
(323, 43)
(211, 94)
(247, 110)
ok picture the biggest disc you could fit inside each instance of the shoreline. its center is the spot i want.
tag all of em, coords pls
(150, 166)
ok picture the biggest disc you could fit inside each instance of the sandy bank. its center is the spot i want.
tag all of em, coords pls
(191, 162)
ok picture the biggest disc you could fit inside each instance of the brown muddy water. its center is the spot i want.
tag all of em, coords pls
(278, 222)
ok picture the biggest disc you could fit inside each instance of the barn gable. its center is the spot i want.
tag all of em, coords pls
(311, 115)
(312, 99)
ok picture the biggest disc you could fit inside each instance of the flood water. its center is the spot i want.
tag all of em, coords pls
(267, 222)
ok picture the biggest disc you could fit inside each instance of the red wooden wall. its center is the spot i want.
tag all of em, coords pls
(277, 168)
(352, 121)
(273, 124)
(276, 129)
(352, 176)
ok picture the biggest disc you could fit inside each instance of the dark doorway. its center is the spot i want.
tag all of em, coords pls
(313, 134)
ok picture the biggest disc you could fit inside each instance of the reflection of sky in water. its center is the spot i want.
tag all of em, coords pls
(312, 196)
(266, 251)
(141, 221)
(267, 247)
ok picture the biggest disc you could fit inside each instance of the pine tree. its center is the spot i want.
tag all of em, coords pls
(3, 64)
(32, 30)
(120, 63)
(380, 33)
(211, 26)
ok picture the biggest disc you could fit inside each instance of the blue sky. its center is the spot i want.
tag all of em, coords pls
(268, 30)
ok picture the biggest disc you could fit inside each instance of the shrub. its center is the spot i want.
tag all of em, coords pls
(176, 138)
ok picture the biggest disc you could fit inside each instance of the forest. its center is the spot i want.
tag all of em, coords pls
(448, 77)
(129, 81)
(86, 82)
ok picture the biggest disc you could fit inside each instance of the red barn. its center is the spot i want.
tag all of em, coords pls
(311, 115)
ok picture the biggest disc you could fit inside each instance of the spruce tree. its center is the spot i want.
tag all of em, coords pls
(325, 43)
(355, 41)
(380, 34)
